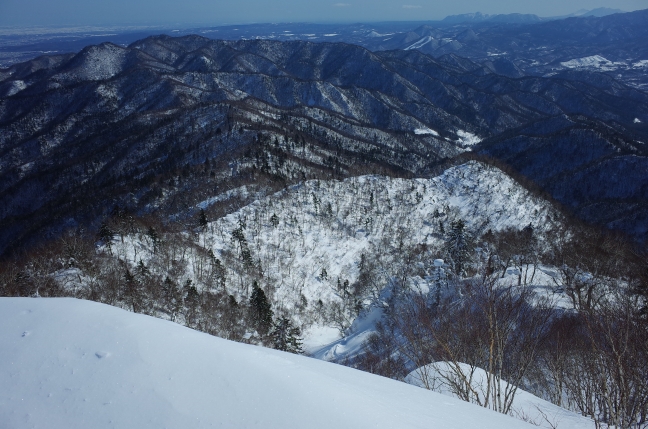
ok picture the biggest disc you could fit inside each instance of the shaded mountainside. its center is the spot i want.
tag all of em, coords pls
(590, 170)
(168, 122)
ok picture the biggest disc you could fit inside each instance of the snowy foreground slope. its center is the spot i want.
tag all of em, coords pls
(68, 363)
(440, 377)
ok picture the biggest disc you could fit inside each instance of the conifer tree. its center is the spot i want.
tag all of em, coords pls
(457, 245)
(106, 235)
(132, 295)
(439, 278)
(192, 295)
(286, 337)
(274, 220)
(202, 219)
(219, 272)
(192, 300)
(261, 312)
(155, 238)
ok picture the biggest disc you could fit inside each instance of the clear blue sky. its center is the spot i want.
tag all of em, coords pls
(106, 12)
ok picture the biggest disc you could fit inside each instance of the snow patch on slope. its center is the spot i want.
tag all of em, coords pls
(352, 344)
(425, 130)
(374, 33)
(467, 139)
(543, 280)
(15, 87)
(592, 62)
(308, 239)
(424, 41)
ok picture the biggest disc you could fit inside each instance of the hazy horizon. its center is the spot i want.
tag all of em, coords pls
(27, 13)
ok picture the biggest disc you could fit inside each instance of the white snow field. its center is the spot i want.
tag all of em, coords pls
(592, 62)
(466, 139)
(68, 363)
(424, 131)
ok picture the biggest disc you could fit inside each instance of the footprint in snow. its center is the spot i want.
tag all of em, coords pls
(101, 355)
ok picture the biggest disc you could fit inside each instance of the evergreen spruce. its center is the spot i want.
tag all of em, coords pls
(155, 239)
(440, 279)
(192, 296)
(274, 220)
(457, 246)
(192, 301)
(106, 235)
(132, 295)
(260, 310)
(202, 219)
(286, 337)
(246, 256)
(220, 273)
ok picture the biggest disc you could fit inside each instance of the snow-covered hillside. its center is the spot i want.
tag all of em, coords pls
(307, 243)
(68, 363)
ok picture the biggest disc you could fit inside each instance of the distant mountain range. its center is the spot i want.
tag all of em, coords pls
(482, 17)
(598, 12)
(537, 46)
(523, 18)
(150, 125)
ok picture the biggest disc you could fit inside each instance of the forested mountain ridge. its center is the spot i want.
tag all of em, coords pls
(145, 126)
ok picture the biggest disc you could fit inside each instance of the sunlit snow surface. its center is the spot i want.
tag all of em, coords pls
(424, 41)
(15, 87)
(423, 131)
(78, 364)
(466, 139)
(592, 62)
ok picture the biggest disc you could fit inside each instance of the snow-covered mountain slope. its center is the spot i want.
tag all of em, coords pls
(72, 364)
(329, 224)
(441, 376)
(304, 244)
(594, 62)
